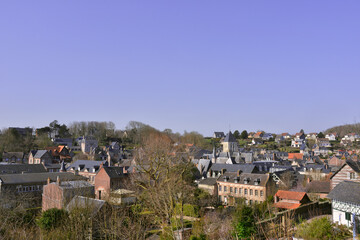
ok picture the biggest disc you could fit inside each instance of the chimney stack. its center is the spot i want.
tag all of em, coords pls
(58, 180)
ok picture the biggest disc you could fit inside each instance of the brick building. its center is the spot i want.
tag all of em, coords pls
(58, 194)
(109, 179)
(254, 188)
(26, 188)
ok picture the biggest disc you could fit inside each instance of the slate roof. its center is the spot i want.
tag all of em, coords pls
(246, 168)
(84, 202)
(318, 187)
(37, 177)
(40, 153)
(252, 178)
(230, 137)
(205, 165)
(114, 172)
(19, 168)
(75, 184)
(18, 155)
(208, 181)
(346, 191)
(89, 165)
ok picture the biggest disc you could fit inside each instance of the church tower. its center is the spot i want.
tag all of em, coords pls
(230, 143)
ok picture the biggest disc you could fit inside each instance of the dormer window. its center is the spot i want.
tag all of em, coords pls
(246, 180)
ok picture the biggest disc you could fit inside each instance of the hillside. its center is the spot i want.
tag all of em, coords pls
(344, 129)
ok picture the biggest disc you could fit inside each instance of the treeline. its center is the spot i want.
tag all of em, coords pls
(342, 130)
(105, 132)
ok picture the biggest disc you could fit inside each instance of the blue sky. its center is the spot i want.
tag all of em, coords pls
(189, 65)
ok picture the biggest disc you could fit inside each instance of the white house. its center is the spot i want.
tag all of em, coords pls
(346, 203)
(297, 142)
(331, 136)
(351, 136)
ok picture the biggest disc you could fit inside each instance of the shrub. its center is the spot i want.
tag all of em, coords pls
(321, 228)
(52, 218)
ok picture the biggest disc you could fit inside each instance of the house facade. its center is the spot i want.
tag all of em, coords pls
(350, 171)
(254, 188)
(40, 156)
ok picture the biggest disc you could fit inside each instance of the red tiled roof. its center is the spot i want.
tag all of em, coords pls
(295, 155)
(287, 205)
(290, 195)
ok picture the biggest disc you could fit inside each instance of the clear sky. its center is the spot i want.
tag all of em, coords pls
(188, 65)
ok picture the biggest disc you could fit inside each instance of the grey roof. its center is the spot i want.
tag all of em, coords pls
(252, 178)
(208, 181)
(18, 155)
(53, 166)
(40, 153)
(219, 134)
(114, 172)
(62, 166)
(75, 184)
(246, 168)
(205, 164)
(37, 177)
(318, 187)
(19, 168)
(229, 137)
(346, 191)
(87, 164)
(84, 202)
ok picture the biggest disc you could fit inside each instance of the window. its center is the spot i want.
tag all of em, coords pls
(245, 191)
(348, 216)
(225, 189)
(219, 188)
(239, 190)
(251, 192)
(256, 192)
(251, 202)
(352, 175)
(261, 193)
(235, 190)
(231, 189)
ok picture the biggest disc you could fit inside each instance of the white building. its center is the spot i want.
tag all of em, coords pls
(346, 203)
